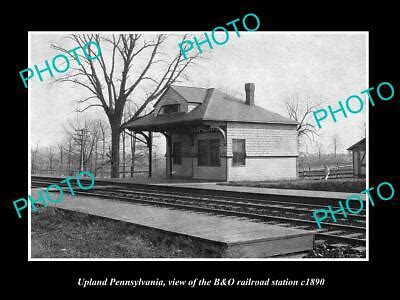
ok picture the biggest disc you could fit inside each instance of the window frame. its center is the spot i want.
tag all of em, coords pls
(241, 160)
(170, 106)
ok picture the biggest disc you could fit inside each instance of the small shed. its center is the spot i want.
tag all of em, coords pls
(212, 135)
(359, 165)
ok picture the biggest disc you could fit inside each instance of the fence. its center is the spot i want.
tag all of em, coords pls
(98, 174)
(338, 171)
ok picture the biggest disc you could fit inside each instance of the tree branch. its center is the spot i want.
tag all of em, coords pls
(92, 105)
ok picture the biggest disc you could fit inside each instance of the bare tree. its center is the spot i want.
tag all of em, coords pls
(35, 159)
(302, 114)
(111, 91)
(50, 155)
(129, 114)
(103, 135)
(70, 149)
(335, 143)
(84, 134)
(319, 147)
(61, 149)
(96, 153)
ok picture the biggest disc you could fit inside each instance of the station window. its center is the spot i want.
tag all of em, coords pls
(208, 151)
(169, 109)
(177, 153)
(239, 152)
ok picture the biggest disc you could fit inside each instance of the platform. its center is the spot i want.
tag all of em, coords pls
(266, 191)
(234, 236)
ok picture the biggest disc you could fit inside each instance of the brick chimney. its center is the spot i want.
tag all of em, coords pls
(250, 88)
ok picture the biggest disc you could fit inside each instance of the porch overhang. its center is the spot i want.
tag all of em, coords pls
(162, 127)
(139, 125)
(190, 128)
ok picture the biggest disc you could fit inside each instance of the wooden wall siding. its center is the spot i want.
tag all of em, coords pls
(264, 139)
(185, 169)
(210, 173)
(266, 148)
(263, 168)
(171, 97)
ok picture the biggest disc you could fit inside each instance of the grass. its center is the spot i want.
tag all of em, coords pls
(58, 233)
(333, 185)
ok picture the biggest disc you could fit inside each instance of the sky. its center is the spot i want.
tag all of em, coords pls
(315, 67)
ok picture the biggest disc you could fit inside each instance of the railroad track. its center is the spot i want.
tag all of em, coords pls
(350, 231)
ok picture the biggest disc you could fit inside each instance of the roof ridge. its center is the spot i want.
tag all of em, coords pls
(189, 100)
(192, 87)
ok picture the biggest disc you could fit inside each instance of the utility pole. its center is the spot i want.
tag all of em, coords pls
(80, 139)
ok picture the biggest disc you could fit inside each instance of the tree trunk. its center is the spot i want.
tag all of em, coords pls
(69, 157)
(51, 163)
(96, 157)
(61, 161)
(81, 156)
(115, 140)
(123, 155)
(103, 153)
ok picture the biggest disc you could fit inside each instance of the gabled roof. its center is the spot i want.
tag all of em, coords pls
(359, 144)
(189, 93)
(215, 106)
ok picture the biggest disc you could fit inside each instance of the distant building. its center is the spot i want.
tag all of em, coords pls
(211, 135)
(358, 150)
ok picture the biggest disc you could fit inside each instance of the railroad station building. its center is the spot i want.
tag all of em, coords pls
(358, 152)
(214, 136)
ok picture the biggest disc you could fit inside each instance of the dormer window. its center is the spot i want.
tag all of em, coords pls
(169, 109)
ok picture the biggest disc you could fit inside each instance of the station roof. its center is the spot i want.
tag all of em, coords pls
(214, 106)
(189, 93)
(359, 145)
